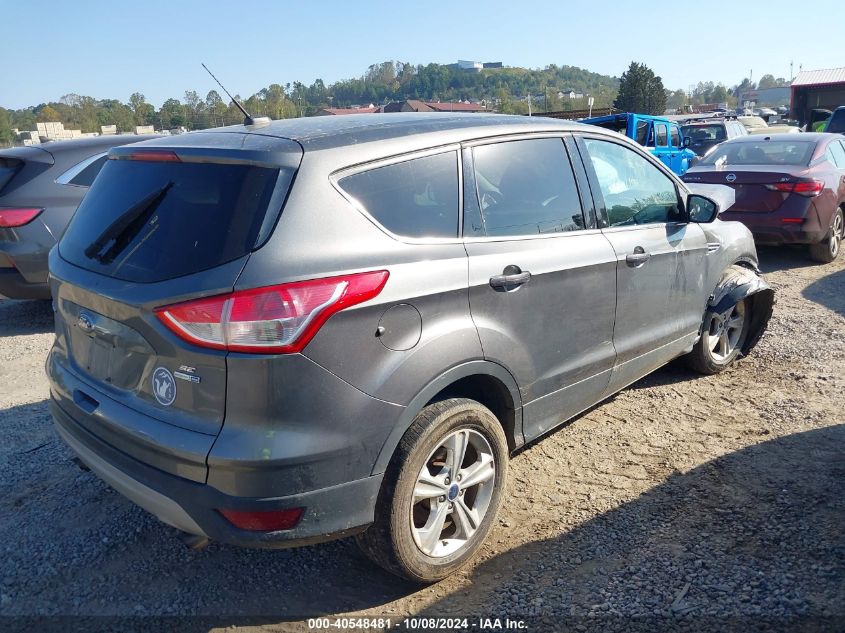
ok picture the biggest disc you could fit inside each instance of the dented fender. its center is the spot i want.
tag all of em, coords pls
(738, 283)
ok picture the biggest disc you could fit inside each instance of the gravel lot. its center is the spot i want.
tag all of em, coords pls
(684, 502)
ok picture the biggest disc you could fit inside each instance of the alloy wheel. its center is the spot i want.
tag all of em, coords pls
(836, 235)
(724, 332)
(452, 493)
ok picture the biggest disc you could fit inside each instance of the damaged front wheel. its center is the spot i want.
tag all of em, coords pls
(722, 337)
(735, 319)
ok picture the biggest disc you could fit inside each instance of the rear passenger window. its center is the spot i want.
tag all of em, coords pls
(87, 175)
(676, 137)
(414, 198)
(527, 188)
(838, 153)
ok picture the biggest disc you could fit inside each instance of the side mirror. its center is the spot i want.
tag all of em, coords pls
(701, 210)
(687, 141)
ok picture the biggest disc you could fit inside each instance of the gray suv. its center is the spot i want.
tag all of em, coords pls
(282, 333)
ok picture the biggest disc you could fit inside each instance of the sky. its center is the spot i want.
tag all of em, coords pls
(112, 49)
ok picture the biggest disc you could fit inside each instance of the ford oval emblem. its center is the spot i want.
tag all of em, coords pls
(730, 177)
(164, 386)
(85, 322)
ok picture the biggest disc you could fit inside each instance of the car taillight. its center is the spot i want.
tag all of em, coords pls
(271, 320)
(809, 188)
(264, 520)
(12, 218)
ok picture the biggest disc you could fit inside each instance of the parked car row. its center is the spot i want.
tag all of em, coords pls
(282, 333)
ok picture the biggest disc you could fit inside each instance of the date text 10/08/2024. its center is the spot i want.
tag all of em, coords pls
(413, 624)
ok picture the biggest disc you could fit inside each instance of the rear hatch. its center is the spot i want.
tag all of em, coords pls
(758, 189)
(163, 223)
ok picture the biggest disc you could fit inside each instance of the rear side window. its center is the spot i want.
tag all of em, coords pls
(150, 221)
(416, 198)
(85, 177)
(8, 168)
(527, 188)
(676, 137)
(838, 153)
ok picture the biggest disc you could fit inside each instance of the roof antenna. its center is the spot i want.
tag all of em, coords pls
(248, 120)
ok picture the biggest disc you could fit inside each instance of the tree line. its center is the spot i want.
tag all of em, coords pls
(504, 90)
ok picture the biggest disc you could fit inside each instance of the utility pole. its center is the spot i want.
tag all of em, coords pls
(529, 104)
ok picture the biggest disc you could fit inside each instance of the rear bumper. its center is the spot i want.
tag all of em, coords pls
(190, 506)
(770, 228)
(14, 286)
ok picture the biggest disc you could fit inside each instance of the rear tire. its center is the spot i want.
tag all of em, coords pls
(828, 249)
(722, 337)
(427, 523)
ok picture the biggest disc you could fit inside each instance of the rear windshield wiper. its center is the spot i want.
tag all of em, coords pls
(127, 225)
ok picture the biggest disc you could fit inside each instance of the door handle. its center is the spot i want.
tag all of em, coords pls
(637, 258)
(511, 276)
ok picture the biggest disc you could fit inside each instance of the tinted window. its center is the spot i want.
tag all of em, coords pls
(149, 221)
(676, 137)
(8, 168)
(414, 198)
(662, 137)
(527, 188)
(761, 153)
(87, 175)
(837, 121)
(705, 132)
(642, 132)
(838, 153)
(634, 190)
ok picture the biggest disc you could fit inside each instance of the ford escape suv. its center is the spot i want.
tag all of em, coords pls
(282, 333)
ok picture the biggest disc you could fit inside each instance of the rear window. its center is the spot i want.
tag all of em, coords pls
(705, 132)
(415, 198)
(150, 221)
(761, 153)
(8, 168)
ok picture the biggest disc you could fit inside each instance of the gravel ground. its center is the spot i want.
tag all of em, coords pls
(685, 502)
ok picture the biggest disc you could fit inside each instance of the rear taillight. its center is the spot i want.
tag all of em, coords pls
(264, 520)
(271, 320)
(12, 218)
(809, 188)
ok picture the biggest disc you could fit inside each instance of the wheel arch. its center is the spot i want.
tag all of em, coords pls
(741, 281)
(489, 383)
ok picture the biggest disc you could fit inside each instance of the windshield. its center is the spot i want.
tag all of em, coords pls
(150, 221)
(705, 132)
(762, 153)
